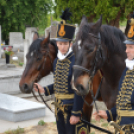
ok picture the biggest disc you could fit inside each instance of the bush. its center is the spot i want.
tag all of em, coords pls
(41, 123)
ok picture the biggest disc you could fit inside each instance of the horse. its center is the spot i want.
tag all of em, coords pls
(98, 47)
(40, 58)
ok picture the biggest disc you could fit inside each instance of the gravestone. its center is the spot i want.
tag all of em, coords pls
(26, 47)
(52, 29)
(47, 31)
(29, 33)
(16, 40)
(0, 41)
(16, 109)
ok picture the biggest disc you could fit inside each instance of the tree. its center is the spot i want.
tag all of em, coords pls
(15, 15)
(112, 10)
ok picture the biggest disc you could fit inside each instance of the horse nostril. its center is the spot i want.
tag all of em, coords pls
(25, 87)
(80, 87)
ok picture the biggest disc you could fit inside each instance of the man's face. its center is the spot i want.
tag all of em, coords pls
(63, 46)
(130, 51)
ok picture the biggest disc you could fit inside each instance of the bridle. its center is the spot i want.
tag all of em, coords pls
(92, 71)
(47, 54)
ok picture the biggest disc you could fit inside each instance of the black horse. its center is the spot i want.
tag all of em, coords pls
(99, 47)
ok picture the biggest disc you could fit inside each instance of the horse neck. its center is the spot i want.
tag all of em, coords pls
(113, 68)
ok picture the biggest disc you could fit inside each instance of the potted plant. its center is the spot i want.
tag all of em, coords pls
(8, 52)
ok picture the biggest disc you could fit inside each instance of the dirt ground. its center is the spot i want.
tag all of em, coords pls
(50, 128)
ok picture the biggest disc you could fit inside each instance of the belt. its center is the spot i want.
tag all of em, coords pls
(64, 96)
(127, 113)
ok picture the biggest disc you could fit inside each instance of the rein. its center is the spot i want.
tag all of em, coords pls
(46, 54)
(41, 99)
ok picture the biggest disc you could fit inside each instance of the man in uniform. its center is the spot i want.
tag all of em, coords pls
(68, 105)
(123, 112)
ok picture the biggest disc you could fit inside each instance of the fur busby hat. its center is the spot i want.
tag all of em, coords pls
(65, 31)
(130, 35)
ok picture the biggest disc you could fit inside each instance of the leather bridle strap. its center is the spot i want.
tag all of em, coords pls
(99, 128)
(41, 99)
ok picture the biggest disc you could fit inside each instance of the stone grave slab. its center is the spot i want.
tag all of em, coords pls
(16, 109)
(16, 40)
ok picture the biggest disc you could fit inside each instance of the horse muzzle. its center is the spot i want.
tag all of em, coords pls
(26, 88)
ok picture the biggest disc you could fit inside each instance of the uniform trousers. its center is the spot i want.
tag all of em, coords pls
(63, 123)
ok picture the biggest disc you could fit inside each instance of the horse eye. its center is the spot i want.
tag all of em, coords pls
(38, 59)
(89, 51)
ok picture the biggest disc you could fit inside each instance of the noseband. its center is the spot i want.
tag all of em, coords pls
(91, 72)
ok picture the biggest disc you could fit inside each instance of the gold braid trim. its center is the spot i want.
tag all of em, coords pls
(125, 113)
(64, 96)
(76, 112)
(111, 116)
(100, 74)
(48, 90)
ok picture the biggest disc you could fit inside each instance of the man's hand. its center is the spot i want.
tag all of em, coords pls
(74, 120)
(101, 114)
(41, 89)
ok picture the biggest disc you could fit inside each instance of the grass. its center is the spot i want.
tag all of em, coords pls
(104, 124)
(15, 131)
(41, 123)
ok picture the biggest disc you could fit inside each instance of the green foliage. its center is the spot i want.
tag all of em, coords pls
(21, 63)
(92, 133)
(15, 15)
(15, 131)
(8, 50)
(104, 124)
(41, 123)
(92, 9)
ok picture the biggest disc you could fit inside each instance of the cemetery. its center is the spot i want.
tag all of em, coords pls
(15, 107)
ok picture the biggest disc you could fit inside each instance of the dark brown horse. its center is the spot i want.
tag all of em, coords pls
(40, 57)
(99, 47)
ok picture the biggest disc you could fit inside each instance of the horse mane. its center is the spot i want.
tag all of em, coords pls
(35, 46)
(111, 36)
(53, 42)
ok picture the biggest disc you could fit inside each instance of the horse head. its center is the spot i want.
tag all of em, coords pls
(89, 54)
(40, 57)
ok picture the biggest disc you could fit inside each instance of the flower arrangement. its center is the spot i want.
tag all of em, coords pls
(8, 50)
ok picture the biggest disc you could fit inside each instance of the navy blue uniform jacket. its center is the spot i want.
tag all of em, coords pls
(62, 85)
(123, 112)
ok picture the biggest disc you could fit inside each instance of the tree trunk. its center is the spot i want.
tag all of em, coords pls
(115, 22)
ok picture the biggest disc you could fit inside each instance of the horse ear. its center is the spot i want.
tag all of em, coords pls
(46, 40)
(97, 25)
(83, 21)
